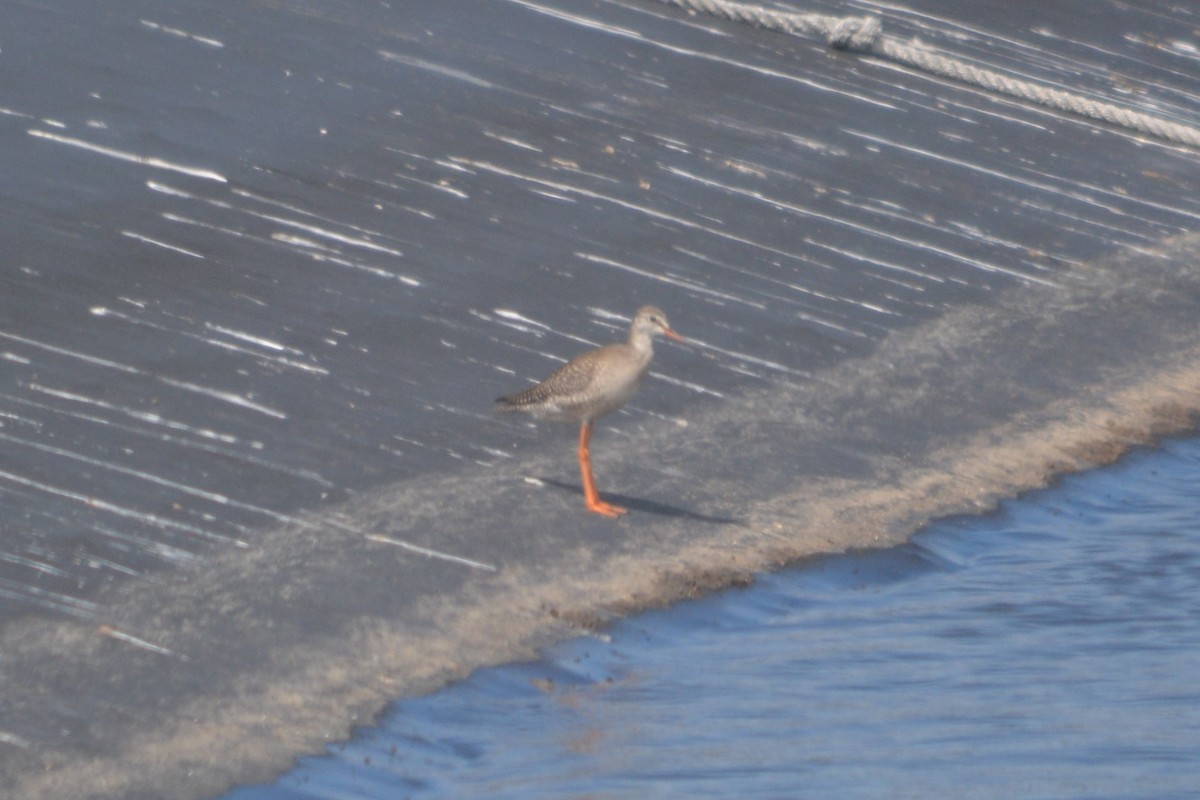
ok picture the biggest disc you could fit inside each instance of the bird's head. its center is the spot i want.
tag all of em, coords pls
(652, 321)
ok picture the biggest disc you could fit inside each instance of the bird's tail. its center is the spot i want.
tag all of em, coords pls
(520, 401)
(510, 402)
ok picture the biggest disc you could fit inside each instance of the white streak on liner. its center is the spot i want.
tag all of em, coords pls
(113, 633)
(149, 161)
(1026, 183)
(148, 240)
(180, 487)
(859, 227)
(103, 362)
(181, 33)
(228, 397)
(651, 212)
(33, 564)
(291, 223)
(226, 452)
(144, 416)
(688, 285)
(14, 740)
(438, 69)
(102, 311)
(302, 212)
(119, 511)
(65, 603)
(375, 537)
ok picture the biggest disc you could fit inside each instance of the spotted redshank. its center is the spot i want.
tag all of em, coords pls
(592, 385)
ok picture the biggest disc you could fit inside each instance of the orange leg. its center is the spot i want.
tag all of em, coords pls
(591, 497)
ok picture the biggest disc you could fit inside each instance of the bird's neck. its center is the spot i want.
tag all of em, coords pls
(642, 344)
(639, 340)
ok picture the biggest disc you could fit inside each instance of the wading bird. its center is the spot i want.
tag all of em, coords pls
(592, 385)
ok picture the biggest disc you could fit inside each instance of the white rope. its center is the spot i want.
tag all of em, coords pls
(865, 35)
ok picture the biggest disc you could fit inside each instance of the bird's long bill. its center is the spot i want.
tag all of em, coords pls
(670, 334)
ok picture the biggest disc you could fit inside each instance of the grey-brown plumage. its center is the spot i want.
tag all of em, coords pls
(592, 385)
(597, 382)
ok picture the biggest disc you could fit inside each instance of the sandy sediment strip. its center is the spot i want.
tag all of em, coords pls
(225, 672)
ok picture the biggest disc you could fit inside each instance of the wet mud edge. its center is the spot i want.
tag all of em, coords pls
(270, 653)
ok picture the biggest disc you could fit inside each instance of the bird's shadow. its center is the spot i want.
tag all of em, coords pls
(643, 505)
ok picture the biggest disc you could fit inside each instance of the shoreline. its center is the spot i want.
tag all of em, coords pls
(274, 651)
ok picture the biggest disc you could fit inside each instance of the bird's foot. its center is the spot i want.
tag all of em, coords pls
(607, 509)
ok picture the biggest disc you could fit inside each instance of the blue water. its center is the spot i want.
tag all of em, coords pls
(1050, 650)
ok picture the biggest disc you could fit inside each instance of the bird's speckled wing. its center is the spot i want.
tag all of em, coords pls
(568, 381)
